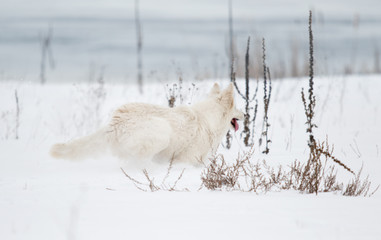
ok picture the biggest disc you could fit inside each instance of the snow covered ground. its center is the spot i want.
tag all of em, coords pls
(45, 198)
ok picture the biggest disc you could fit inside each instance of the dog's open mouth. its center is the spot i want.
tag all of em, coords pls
(234, 123)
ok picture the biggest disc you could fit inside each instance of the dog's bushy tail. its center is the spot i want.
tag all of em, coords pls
(78, 149)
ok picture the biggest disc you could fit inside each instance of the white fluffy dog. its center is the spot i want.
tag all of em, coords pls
(146, 131)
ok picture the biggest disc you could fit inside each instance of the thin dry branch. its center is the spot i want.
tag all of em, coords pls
(152, 186)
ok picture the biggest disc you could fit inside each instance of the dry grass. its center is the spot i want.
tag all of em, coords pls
(174, 92)
(220, 175)
(359, 187)
(248, 176)
(178, 94)
(313, 173)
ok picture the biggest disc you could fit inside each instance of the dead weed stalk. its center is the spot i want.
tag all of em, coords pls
(151, 185)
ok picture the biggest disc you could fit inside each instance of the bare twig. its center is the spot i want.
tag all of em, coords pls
(151, 184)
(354, 150)
(173, 188)
(131, 178)
(168, 170)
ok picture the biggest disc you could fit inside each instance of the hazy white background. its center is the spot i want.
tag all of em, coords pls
(187, 36)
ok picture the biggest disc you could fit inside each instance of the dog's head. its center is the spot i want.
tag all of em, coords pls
(225, 99)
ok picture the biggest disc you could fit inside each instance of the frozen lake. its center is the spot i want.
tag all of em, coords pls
(91, 37)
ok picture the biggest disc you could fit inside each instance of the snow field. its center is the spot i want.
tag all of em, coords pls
(45, 198)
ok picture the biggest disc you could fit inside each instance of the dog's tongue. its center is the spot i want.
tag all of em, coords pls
(235, 124)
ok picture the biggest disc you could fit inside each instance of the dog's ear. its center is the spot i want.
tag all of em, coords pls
(215, 90)
(227, 97)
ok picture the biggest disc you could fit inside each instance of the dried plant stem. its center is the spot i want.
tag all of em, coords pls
(231, 48)
(309, 106)
(139, 46)
(134, 181)
(168, 170)
(17, 116)
(246, 123)
(152, 186)
(231, 61)
(46, 53)
(266, 100)
(248, 120)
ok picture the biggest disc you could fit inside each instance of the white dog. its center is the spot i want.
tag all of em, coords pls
(146, 131)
